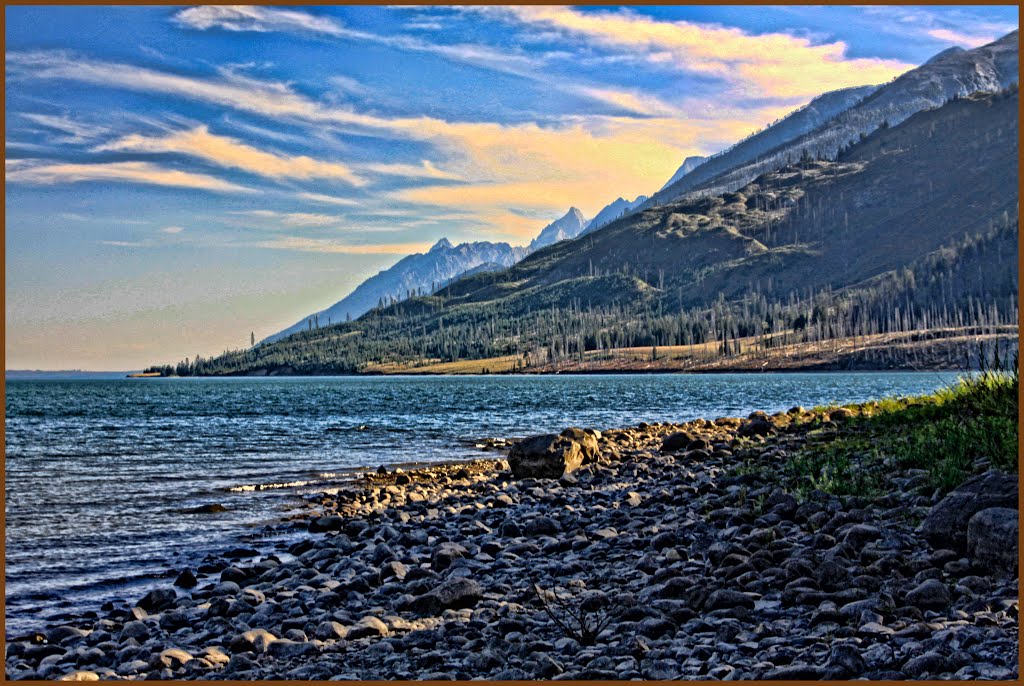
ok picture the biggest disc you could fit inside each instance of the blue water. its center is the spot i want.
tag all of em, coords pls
(98, 471)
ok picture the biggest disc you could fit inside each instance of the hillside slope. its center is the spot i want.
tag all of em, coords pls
(820, 247)
(812, 115)
(950, 74)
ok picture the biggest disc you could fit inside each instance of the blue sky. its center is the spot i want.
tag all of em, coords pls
(179, 177)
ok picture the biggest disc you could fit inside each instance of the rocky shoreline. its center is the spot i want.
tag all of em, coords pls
(661, 551)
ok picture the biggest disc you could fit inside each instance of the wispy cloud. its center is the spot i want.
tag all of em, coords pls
(503, 60)
(959, 27)
(328, 199)
(250, 18)
(630, 101)
(424, 170)
(969, 40)
(291, 218)
(537, 165)
(74, 132)
(770, 64)
(265, 19)
(229, 152)
(41, 173)
(172, 230)
(326, 245)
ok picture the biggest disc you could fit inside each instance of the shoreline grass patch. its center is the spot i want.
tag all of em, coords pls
(946, 434)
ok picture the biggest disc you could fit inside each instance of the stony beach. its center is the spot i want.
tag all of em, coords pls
(661, 551)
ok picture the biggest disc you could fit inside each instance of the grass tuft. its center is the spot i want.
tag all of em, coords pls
(950, 434)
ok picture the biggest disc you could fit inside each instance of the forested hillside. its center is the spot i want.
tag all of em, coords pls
(912, 227)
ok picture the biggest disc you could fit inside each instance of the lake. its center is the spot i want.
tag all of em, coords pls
(98, 472)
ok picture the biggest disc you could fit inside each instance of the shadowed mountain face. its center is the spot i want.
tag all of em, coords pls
(805, 119)
(568, 226)
(855, 112)
(688, 165)
(614, 210)
(926, 192)
(419, 273)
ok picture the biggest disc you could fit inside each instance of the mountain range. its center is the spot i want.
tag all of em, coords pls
(568, 226)
(614, 210)
(898, 209)
(835, 120)
(420, 273)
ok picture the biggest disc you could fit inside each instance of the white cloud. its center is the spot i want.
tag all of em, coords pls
(328, 199)
(265, 19)
(291, 218)
(43, 173)
(326, 245)
(968, 40)
(251, 18)
(76, 132)
(172, 230)
(512, 165)
(424, 170)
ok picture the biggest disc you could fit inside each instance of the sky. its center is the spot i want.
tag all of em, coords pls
(180, 177)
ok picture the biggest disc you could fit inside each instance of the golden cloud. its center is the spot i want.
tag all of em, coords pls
(770, 64)
(229, 152)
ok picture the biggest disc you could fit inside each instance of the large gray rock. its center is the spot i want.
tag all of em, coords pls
(455, 594)
(547, 456)
(587, 439)
(946, 525)
(285, 649)
(254, 640)
(158, 599)
(930, 594)
(992, 539)
(680, 440)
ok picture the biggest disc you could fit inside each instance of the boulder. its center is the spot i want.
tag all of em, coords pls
(80, 676)
(587, 440)
(931, 594)
(680, 440)
(841, 414)
(368, 626)
(445, 554)
(328, 523)
(726, 598)
(137, 630)
(210, 508)
(992, 539)
(547, 456)
(285, 649)
(757, 426)
(158, 599)
(186, 579)
(845, 661)
(451, 595)
(254, 640)
(541, 526)
(331, 631)
(946, 524)
(172, 658)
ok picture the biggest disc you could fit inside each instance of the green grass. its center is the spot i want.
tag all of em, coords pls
(943, 433)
